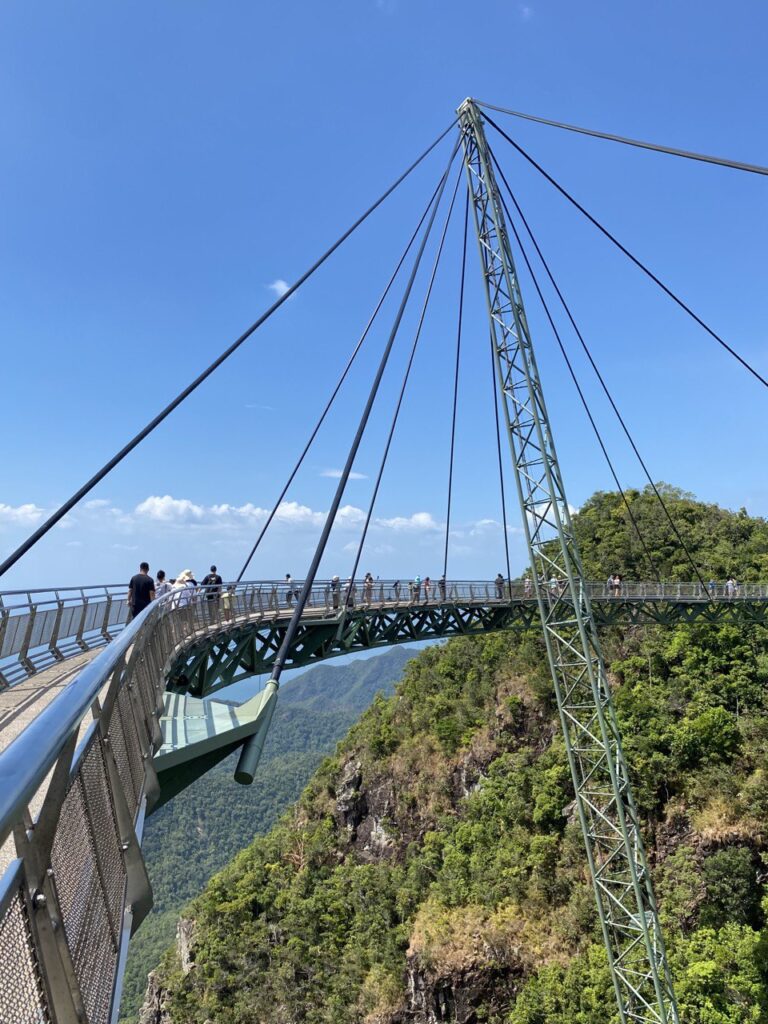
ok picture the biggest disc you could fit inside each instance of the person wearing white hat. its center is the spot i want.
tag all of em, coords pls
(184, 588)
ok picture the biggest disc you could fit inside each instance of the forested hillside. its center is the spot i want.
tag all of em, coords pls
(195, 835)
(433, 869)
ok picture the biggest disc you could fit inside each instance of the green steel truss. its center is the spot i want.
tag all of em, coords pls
(614, 845)
(228, 654)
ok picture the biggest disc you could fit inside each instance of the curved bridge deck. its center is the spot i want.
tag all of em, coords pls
(236, 635)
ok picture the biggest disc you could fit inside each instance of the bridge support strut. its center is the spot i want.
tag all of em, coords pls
(609, 821)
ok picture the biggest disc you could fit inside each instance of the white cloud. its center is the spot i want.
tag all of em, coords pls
(21, 515)
(335, 474)
(74, 544)
(97, 503)
(526, 12)
(295, 514)
(482, 527)
(419, 521)
(350, 515)
(170, 511)
(279, 287)
(166, 509)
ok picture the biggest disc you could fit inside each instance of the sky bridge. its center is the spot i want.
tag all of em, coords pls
(106, 716)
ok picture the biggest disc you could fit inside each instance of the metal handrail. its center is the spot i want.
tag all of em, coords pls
(25, 763)
(35, 634)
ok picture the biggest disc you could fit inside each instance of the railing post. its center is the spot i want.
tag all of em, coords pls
(81, 628)
(4, 615)
(105, 620)
(24, 652)
(53, 643)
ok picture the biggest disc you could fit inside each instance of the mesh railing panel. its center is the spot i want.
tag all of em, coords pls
(21, 993)
(94, 615)
(118, 612)
(70, 620)
(130, 762)
(145, 683)
(15, 631)
(85, 907)
(42, 627)
(123, 760)
(105, 833)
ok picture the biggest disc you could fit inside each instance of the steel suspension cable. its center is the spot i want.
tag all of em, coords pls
(295, 621)
(456, 384)
(494, 385)
(401, 395)
(600, 377)
(737, 165)
(638, 263)
(70, 503)
(574, 378)
(336, 390)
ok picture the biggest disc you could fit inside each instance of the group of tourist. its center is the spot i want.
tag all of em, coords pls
(143, 589)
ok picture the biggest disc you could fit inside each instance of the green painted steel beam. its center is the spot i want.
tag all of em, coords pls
(228, 656)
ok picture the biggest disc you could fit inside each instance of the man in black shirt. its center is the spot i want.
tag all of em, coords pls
(213, 581)
(141, 591)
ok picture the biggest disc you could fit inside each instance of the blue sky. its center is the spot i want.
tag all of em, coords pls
(163, 165)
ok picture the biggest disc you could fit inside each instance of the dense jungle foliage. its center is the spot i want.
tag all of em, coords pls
(433, 869)
(196, 834)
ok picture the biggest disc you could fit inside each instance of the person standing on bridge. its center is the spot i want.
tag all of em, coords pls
(499, 586)
(183, 589)
(163, 586)
(441, 586)
(416, 588)
(213, 582)
(731, 586)
(141, 591)
(212, 591)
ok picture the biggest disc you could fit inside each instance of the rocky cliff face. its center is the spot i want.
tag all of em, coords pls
(155, 1007)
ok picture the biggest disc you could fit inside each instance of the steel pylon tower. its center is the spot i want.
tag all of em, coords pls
(615, 852)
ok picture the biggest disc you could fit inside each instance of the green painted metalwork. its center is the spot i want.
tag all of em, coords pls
(229, 653)
(197, 734)
(613, 841)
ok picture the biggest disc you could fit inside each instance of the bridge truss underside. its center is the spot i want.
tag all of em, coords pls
(225, 655)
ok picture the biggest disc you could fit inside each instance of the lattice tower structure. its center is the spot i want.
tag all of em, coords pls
(605, 806)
